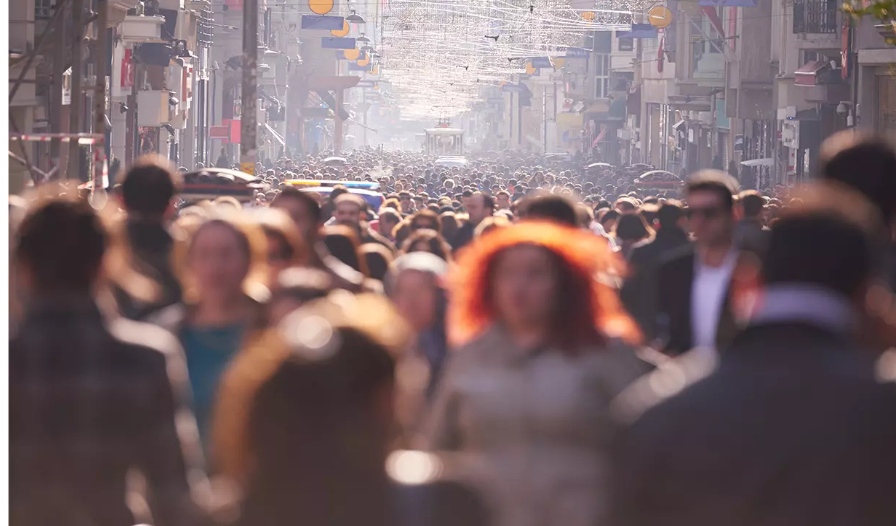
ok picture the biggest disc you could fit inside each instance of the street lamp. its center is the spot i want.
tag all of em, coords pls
(355, 18)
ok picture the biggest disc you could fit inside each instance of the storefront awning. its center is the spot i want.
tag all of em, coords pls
(808, 74)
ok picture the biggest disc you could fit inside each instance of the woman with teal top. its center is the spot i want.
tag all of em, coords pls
(222, 260)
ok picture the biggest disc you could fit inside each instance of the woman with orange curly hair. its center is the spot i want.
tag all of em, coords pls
(541, 354)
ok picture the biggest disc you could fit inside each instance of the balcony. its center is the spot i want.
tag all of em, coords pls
(815, 16)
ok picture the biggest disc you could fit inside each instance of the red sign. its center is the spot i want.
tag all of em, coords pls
(235, 131)
(219, 132)
(127, 69)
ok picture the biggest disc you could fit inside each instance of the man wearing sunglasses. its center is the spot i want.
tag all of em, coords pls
(693, 283)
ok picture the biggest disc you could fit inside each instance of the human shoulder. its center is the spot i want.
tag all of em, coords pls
(428, 491)
(152, 343)
(670, 378)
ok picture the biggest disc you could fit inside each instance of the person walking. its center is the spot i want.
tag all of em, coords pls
(147, 191)
(478, 206)
(525, 396)
(92, 397)
(310, 421)
(638, 293)
(794, 425)
(693, 308)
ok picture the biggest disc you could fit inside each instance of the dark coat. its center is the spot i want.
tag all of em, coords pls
(90, 399)
(752, 237)
(675, 277)
(791, 428)
(152, 245)
(464, 236)
(639, 293)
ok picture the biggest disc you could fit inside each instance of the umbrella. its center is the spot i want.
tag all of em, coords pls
(599, 165)
(768, 161)
(330, 161)
(658, 174)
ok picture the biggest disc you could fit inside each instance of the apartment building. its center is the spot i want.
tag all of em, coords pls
(755, 86)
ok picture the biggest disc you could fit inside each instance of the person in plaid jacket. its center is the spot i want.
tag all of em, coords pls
(92, 398)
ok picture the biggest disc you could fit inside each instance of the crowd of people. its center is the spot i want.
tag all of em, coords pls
(515, 342)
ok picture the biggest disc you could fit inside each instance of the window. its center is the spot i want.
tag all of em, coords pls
(625, 44)
(601, 75)
(43, 9)
(886, 104)
(815, 16)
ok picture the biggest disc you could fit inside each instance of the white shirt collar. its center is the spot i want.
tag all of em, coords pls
(799, 302)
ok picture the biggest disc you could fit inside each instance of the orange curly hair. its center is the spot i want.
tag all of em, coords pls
(591, 309)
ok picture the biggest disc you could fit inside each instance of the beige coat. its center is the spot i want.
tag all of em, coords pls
(532, 430)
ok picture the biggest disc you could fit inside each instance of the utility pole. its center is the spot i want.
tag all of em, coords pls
(248, 111)
(74, 149)
(60, 50)
(99, 98)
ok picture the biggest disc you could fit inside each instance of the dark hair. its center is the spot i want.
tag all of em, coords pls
(550, 207)
(149, 186)
(377, 258)
(314, 425)
(632, 227)
(290, 192)
(864, 162)
(390, 214)
(608, 215)
(337, 191)
(449, 223)
(752, 203)
(487, 200)
(342, 242)
(714, 181)
(62, 243)
(670, 213)
(825, 241)
(429, 217)
(436, 243)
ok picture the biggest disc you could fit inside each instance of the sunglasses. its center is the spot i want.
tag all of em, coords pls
(708, 213)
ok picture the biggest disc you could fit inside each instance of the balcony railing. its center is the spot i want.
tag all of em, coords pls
(815, 16)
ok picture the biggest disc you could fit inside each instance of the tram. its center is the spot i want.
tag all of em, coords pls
(444, 142)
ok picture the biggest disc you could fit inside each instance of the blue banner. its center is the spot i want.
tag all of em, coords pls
(639, 31)
(328, 23)
(728, 3)
(337, 43)
(541, 62)
(577, 52)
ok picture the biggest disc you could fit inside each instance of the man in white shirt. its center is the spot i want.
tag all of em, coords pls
(694, 282)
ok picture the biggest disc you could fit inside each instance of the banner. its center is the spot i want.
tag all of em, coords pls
(328, 23)
(541, 62)
(337, 43)
(577, 52)
(639, 31)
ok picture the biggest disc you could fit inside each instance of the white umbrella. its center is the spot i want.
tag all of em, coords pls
(768, 161)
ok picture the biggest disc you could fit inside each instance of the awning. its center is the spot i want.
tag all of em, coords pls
(808, 74)
(279, 138)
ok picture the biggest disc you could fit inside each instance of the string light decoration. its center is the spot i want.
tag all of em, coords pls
(437, 55)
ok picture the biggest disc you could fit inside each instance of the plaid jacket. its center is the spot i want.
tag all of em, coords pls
(90, 400)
